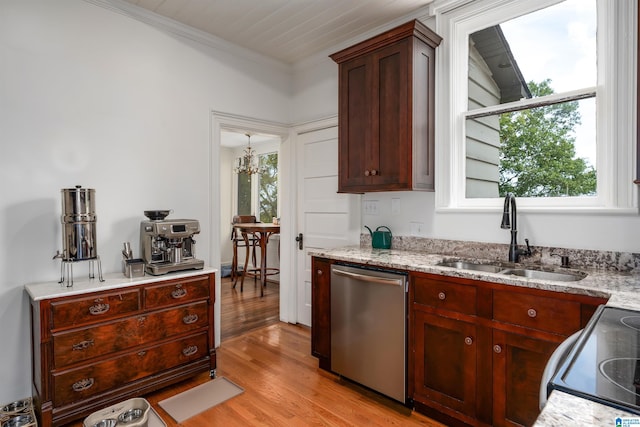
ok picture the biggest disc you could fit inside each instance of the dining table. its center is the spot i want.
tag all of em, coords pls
(262, 231)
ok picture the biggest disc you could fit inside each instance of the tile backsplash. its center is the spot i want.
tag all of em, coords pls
(578, 258)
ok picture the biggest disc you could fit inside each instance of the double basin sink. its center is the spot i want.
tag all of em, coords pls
(530, 272)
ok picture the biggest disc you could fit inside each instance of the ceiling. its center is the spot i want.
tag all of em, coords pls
(286, 30)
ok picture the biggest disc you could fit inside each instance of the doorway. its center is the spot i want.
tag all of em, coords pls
(253, 191)
(237, 311)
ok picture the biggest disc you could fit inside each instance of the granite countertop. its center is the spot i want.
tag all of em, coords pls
(621, 288)
(47, 290)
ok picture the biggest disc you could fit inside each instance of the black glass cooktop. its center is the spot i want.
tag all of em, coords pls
(604, 364)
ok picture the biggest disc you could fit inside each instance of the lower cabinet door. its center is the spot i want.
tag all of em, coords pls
(89, 380)
(518, 363)
(445, 355)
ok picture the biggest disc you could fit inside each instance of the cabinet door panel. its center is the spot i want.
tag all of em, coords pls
(392, 161)
(445, 362)
(518, 363)
(321, 311)
(354, 122)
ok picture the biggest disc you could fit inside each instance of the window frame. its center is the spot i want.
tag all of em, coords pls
(259, 150)
(614, 99)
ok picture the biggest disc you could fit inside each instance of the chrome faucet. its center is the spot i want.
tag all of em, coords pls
(514, 251)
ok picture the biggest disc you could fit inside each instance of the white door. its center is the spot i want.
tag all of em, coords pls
(325, 218)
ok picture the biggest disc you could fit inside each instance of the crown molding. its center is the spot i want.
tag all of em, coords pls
(179, 29)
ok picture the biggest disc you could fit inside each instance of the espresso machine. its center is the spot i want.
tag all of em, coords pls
(167, 245)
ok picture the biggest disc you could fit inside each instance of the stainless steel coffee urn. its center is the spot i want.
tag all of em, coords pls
(79, 224)
(79, 241)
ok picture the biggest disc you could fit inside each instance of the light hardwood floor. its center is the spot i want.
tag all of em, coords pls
(283, 384)
(284, 387)
(241, 312)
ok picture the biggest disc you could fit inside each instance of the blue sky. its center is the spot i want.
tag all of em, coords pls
(559, 43)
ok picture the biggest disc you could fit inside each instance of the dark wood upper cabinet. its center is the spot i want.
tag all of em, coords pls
(386, 111)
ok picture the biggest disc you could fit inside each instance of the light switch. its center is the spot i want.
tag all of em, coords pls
(371, 207)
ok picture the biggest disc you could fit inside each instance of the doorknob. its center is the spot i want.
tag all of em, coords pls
(299, 240)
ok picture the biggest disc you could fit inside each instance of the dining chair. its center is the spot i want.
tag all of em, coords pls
(239, 241)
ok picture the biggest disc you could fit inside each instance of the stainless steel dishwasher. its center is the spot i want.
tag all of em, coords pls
(368, 328)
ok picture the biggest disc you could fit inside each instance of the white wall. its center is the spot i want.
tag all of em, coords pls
(89, 96)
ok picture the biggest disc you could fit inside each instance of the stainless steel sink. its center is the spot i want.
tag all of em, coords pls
(545, 275)
(509, 269)
(464, 265)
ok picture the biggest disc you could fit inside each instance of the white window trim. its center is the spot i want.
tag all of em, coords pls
(616, 122)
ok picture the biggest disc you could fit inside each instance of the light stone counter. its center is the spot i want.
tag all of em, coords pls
(46, 290)
(621, 288)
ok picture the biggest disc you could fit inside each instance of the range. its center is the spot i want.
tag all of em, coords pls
(604, 364)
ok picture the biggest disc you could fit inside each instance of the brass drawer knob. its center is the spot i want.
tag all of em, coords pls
(178, 292)
(190, 351)
(468, 340)
(189, 319)
(83, 384)
(98, 308)
(497, 349)
(442, 296)
(82, 345)
(532, 313)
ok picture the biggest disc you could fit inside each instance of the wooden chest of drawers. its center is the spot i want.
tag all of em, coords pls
(98, 348)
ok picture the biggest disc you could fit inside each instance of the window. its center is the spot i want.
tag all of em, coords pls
(268, 187)
(543, 111)
(258, 193)
(527, 116)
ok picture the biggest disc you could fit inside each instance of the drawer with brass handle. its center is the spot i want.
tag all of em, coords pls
(93, 379)
(176, 292)
(95, 341)
(94, 308)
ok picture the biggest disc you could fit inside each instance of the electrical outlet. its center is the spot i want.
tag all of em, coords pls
(395, 206)
(417, 228)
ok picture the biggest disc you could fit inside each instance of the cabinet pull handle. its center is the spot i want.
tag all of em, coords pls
(189, 319)
(374, 172)
(82, 345)
(83, 384)
(497, 349)
(178, 292)
(141, 319)
(190, 351)
(442, 296)
(367, 173)
(532, 313)
(468, 340)
(319, 272)
(98, 308)
(142, 353)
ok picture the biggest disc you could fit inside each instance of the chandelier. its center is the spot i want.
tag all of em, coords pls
(248, 163)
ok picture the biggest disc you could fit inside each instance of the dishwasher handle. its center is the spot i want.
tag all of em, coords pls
(368, 278)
